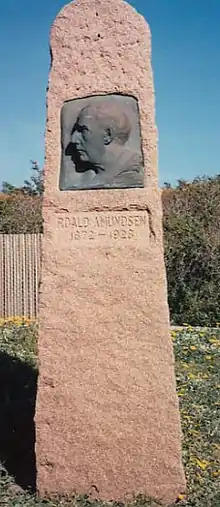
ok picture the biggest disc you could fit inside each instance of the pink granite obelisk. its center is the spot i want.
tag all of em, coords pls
(107, 417)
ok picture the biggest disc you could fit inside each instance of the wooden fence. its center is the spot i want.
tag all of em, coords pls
(20, 256)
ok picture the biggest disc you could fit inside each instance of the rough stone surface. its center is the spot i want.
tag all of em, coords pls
(107, 420)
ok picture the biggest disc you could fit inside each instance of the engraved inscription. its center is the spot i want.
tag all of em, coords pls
(103, 226)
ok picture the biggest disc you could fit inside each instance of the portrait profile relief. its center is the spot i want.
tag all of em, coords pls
(101, 143)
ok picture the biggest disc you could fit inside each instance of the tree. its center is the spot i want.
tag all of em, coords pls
(7, 188)
(36, 184)
(34, 187)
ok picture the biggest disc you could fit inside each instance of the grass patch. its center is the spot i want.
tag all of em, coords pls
(198, 385)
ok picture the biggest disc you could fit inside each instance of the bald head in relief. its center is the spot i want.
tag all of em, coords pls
(100, 148)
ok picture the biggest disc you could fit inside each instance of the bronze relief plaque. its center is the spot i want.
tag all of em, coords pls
(101, 143)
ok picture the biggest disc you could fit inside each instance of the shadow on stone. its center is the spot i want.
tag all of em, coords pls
(18, 384)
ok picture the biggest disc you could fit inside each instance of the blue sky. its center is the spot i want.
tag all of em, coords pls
(186, 64)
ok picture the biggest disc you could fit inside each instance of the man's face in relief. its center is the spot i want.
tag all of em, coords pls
(89, 138)
(98, 131)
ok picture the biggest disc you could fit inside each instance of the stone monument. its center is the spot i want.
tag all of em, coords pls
(107, 419)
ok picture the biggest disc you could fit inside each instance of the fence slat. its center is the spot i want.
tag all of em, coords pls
(31, 278)
(19, 277)
(2, 277)
(20, 262)
(7, 277)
